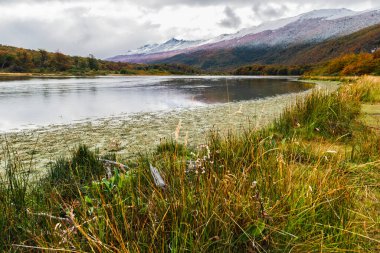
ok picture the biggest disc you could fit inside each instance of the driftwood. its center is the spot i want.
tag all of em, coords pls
(108, 164)
(157, 177)
(122, 166)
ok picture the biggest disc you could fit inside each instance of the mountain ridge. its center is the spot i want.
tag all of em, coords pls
(365, 40)
(311, 27)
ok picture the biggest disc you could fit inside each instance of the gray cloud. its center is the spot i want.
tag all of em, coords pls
(78, 34)
(320, 3)
(231, 20)
(79, 29)
(161, 3)
(271, 11)
(153, 3)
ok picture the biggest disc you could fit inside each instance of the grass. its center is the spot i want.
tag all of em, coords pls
(307, 183)
(329, 115)
(367, 89)
(371, 115)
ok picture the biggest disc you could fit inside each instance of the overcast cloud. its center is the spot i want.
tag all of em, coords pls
(231, 20)
(109, 27)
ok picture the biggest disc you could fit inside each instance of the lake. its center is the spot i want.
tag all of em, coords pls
(36, 102)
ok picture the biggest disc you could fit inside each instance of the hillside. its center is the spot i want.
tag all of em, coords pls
(20, 60)
(355, 54)
(346, 65)
(350, 64)
(364, 40)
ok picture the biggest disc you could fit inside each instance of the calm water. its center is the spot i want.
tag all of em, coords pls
(40, 102)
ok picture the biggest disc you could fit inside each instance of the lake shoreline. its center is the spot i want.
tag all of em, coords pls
(131, 135)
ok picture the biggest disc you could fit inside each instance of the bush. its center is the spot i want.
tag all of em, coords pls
(66, 176)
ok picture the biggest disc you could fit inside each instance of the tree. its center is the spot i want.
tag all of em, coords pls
(43, 59)
(92, 62)
(376, 54)
(61, 62)
(83, 64)
(24, 61)
(6, 59)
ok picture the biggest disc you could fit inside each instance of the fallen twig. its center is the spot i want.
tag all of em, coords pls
(68, 220)
(42, 248)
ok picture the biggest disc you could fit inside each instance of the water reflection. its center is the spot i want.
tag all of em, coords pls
(55, 101)
(232, 90)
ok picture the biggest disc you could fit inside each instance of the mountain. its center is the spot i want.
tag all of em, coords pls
(365, 40)
(151, 52)
(261, 44)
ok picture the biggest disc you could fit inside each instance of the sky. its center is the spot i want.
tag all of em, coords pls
(107, 28)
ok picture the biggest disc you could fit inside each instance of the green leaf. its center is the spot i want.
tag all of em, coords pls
(258, 229)
(88, 200)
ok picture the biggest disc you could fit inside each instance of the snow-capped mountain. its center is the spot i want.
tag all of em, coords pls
(310, 27)
(328, 14)
(170, 45)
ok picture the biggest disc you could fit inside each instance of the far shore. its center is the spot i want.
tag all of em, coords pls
(69, 75)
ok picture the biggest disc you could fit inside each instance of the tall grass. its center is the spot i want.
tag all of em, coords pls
(280, 189)
(330, 115)
(367, 89)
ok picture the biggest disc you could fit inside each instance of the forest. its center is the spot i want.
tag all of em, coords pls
(350, 64)
(19, 60)
(271, 70)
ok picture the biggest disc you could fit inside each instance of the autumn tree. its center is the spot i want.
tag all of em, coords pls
(376, 54)
(60, 62)
(24, 61)
(43, 58)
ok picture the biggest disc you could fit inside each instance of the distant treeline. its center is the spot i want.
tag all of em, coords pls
(351, 64)
(271, 70)
(18, 60)
(344, 65)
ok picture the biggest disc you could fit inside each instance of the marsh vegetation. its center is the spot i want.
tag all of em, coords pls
(308, 181)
